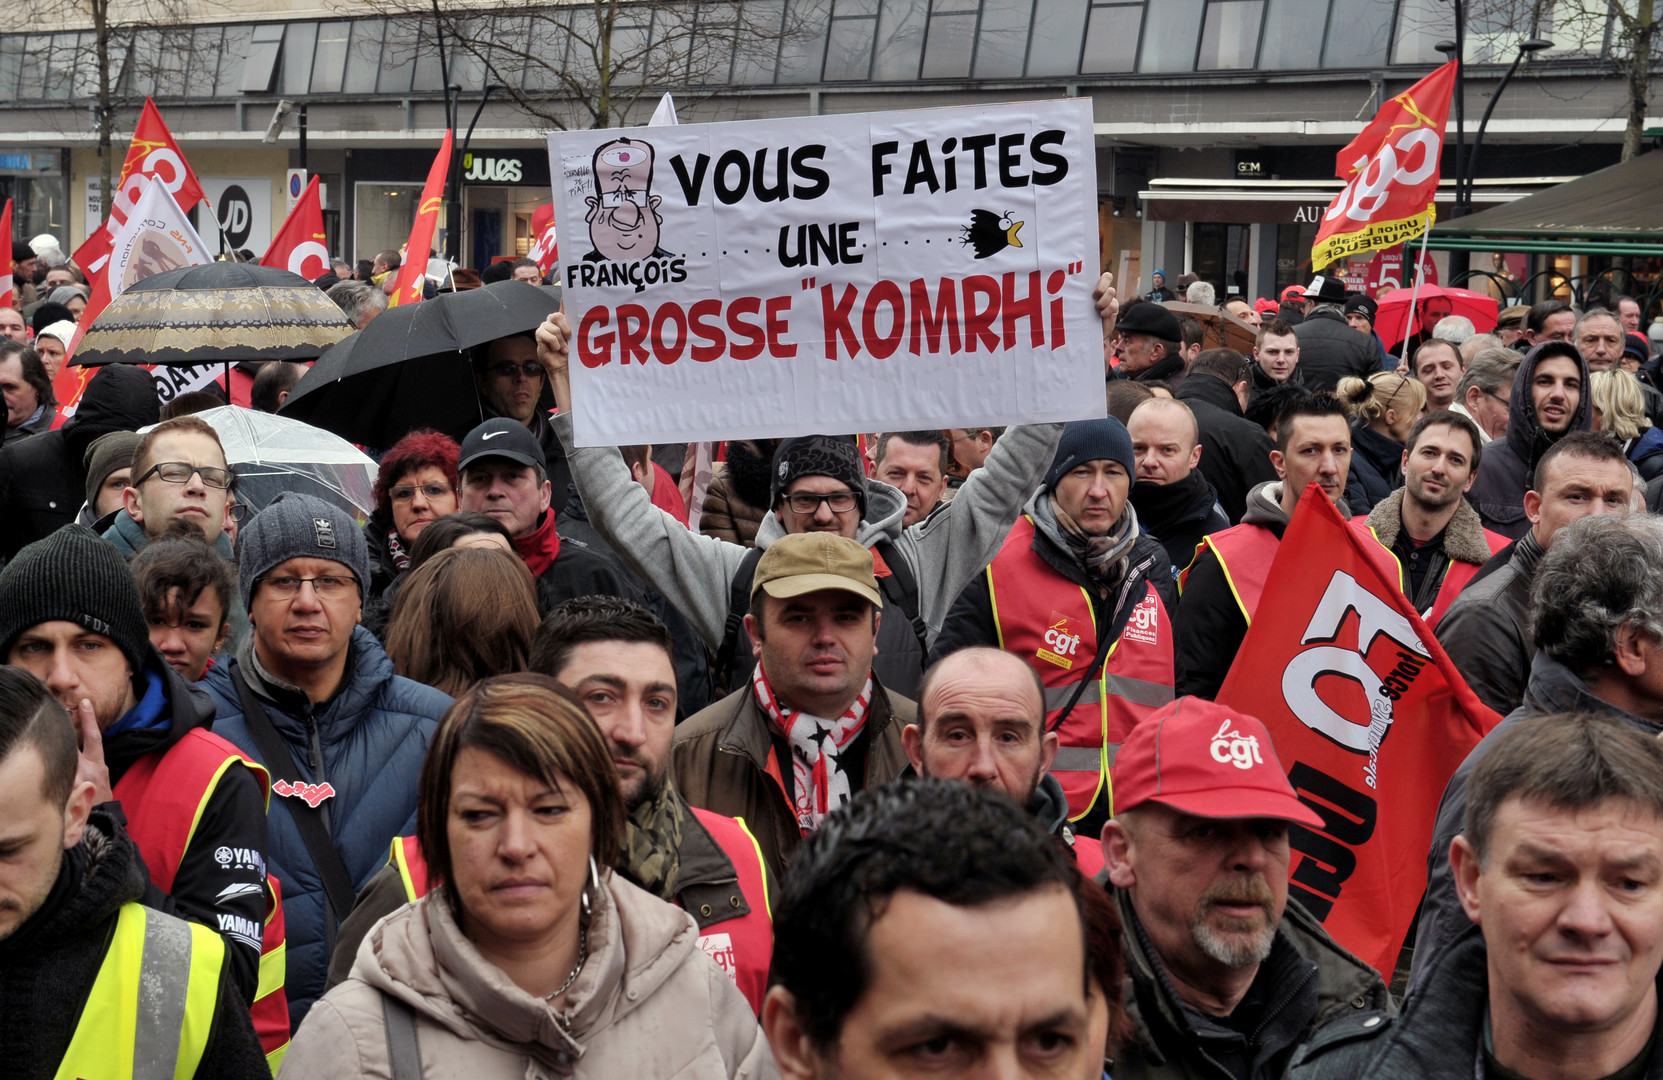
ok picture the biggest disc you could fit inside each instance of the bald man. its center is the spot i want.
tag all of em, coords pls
(1173, 500)
(981, 719)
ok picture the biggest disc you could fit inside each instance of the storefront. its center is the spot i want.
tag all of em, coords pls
(36, 179)
(501, 187)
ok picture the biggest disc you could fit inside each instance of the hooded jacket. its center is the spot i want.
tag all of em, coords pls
(648, 1004)
(1179, 515)
(1376, 468)
(1554, 688)
(695, 573)
(43, 478)
(1208, 627)
(129, 538)
(1438, 1036)
(367, 743)
(1330, 350)
(1235, 452)
(1504, 475)
(1486, 631)
(736, 501)
(48, 964)
(234, 818)
(1315, 983)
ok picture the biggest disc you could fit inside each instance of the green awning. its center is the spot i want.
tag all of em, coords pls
(1615, 211)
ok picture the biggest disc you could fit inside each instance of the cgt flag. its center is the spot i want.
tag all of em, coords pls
(152, 154)
(1370, 719)
(298, 246)
(413, 271)
(8, 287)
(1391, 174)
(546, 252)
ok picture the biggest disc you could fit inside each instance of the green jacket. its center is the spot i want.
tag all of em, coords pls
(1162, 1046)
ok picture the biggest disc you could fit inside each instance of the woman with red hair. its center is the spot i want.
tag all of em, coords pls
(415, 487)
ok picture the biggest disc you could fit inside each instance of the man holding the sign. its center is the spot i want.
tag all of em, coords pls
(1230, 975)
(1222, 587)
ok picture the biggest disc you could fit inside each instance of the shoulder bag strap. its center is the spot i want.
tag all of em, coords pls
(902, 588)
(739, 604)
(404, 1053)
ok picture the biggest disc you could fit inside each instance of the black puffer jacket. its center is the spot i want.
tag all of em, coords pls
(43, 481)
(1235, 452)
(1504, 475)
(48, 964)
(1330, 350)
(1376, 468)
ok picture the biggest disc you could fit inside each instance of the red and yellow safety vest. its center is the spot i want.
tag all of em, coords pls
(163, 795)
(1244, 552)
(741, 945)
(1049, 621)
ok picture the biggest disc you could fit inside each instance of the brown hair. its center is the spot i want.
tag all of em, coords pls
(539, 727)
(465, 614)
(1567, 762)
(187, 424)
(1104, 958)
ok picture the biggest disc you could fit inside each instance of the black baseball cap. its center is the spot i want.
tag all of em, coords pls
(501, 437)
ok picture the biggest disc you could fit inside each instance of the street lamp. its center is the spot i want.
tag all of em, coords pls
(1526, 47)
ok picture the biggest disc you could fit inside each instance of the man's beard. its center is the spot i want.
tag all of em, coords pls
(652, 785)
(1233, 947)
(1447, 498)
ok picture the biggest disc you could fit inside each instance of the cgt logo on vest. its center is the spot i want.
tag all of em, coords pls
(1384, 662)
(1142, 624)
(1062, 641)
(310, 794)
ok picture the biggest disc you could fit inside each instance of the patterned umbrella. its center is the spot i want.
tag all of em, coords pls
(218, 313)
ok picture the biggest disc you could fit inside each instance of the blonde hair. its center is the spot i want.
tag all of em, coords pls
(1621, 402)
(1368, 400)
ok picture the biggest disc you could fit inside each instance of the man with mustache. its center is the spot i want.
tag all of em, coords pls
(1229, 974)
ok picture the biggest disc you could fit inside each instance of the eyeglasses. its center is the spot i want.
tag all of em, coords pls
(841, 502)
(613, 199)
(531, 369)
(406, 492)
(327, 586)
(179, 472)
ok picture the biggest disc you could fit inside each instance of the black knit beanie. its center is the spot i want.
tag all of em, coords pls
(77, 576)
(818, 455)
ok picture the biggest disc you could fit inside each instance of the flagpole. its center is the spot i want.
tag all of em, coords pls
(1414, 295)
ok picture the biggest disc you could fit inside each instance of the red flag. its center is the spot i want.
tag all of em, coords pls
(546, 251)
(1370, 719)
(413, 271)
(1391, 174)
(299, 246)
(152, 153)
(8, 287)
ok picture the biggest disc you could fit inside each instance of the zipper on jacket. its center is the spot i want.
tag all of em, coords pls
(314, 750)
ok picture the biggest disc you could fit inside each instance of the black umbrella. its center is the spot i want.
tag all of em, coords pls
(220, 312)
(409, 367)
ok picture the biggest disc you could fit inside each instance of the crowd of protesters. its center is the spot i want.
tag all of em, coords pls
(905, 761)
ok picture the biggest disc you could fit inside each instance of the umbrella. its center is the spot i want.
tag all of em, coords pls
(220, 312)
(273, 454)
(1223, 330)
(408, 368)
(1394, 310)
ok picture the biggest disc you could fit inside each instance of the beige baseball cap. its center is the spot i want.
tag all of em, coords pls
(809, 562)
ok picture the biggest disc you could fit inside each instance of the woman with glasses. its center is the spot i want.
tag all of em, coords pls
(1383, 408)
(530, 956)
(415, 487)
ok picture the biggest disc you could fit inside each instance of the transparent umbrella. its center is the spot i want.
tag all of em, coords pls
(274, 454)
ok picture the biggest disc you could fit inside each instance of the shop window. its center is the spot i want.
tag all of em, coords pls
(1292, 35)
(265, 48)
(900, 45)
(363, 56)
(1358, 33)
(951, 40)
(1230, 35)
(299, 41)
(384, 215)
(803, 46)
(1169, 41)
(1112, 38)
(1054, 46)
(1002, 40)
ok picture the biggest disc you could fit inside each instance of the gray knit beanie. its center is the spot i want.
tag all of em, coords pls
(77, 576)
(105, 455)
(298, 526)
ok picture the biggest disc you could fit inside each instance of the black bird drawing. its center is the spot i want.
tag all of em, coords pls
(989, 233)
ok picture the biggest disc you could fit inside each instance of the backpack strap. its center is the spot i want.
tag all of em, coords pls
(739, 605)
(900, 588)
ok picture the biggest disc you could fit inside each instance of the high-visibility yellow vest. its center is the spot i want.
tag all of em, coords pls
(160, 1034)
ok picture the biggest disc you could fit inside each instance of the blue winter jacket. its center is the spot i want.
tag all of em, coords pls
(371, 736)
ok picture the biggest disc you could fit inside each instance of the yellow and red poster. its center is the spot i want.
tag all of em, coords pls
(413, 271)
(1391, 173)
(1370, 718)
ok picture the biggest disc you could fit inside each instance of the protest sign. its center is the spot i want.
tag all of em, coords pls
(831, 273)
(1369, 716)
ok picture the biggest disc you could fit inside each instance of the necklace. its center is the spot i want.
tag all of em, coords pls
(577, 969)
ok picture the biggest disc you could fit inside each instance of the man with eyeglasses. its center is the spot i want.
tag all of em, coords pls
(312, 696)
(511, 383)
(179, 474)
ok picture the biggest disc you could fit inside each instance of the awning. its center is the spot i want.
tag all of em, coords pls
(1615, 211)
